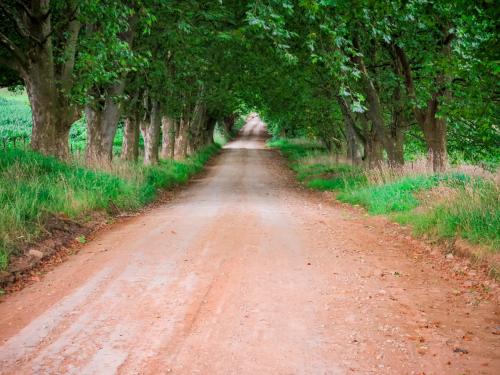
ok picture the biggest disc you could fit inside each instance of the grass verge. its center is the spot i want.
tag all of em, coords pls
(34, 188)
(448, 206)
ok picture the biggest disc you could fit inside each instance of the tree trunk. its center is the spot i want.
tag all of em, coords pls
(352, 144)
(143, 126)
(168, 137)
(373, 147)
(101, 131)
(195, 135)
(181, 140)
(350, 132)
(435, 135)
(52, 114)
(209, 131)
(394, 148)
(395, 135)
(377, 137)
(197, 129)
(152, 135)
(228, 124)
(374, 155)
(105, 111)
(327, 142)
(102, 122)
(434, 129)
(51, 121)
(130, 147)
(47, 72)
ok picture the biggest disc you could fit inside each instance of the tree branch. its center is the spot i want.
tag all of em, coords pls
(57, 28)
(20, 24)
(70, 54)
(25, 8)
(448, 38)
(16, 52)
(417, 137)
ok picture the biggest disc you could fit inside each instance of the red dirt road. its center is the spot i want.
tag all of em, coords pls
(246, 273)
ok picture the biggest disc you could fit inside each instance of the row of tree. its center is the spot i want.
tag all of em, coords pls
(157, 65)
(388, 74)
(366, 77)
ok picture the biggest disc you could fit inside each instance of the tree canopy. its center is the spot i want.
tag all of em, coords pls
(370, 79)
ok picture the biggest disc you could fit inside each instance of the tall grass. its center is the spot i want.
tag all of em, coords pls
(34, 188)
(472, 213)
(462, 203)
(315, 168)
(398, 195)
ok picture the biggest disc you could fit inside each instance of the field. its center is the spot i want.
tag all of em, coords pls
(15, 119)
(16, 122)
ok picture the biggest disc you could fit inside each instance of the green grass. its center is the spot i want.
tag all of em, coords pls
(15, 117)
(473, 212)
(333, 177)
(222, 137)
(296, 149)
(397, 196)
(34, 188)
(317, 172)
(16, 123)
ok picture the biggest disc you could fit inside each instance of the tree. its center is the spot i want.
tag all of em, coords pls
(40, 43)
(103, 75)
(364, 78)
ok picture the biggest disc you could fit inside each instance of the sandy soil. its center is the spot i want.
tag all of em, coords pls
(246, 273)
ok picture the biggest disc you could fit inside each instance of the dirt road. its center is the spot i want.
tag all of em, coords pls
(245, 273)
